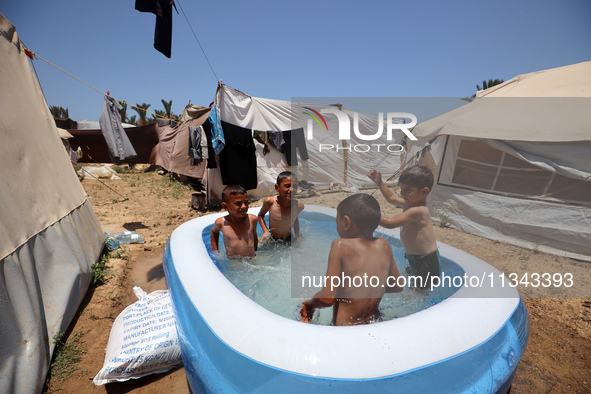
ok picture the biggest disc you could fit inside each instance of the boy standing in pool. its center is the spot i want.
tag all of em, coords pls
(283, 210)
(362, 264)
(239, 228)
(416, 227)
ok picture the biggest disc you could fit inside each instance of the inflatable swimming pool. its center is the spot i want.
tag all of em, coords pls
(230, 344)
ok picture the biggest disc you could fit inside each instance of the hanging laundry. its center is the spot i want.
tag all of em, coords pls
(217, 131)
(204, 145)
(238, 162)
(263, 138)
(120, 147)
(163, 30)
(294, 139)
(197, 145)
(276, 139)
(210, 152)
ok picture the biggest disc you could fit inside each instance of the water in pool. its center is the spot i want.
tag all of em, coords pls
(267, 278)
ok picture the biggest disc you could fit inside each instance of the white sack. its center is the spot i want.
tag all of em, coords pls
(143, 340)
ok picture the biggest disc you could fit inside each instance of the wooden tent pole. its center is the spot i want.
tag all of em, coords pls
(346, 158)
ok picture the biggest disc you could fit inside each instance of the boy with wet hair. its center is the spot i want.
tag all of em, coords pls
(416, 227)
(283, 210)
(239, 228)
(354, 258)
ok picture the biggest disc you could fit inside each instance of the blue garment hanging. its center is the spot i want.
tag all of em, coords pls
(217, 133)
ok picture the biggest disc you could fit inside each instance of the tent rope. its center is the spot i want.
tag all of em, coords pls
(32, 55)
(115, 191)
(198, 42)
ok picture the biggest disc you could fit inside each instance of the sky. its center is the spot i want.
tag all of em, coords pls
(286, 49)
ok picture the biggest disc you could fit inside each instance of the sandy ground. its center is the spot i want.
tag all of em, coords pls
(558, 355)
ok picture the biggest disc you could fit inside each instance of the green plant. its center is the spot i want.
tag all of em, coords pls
(524, 254)
(123, 169)
(119, 254)
(177, 188)
(442, 215)
(66, 357)
(100, 268)
(536, 248)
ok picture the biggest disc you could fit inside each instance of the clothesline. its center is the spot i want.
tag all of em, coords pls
(198, 42)
(32, 55)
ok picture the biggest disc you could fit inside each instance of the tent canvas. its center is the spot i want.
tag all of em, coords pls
(50, 234)
(335, 162)
(513, 164)
(172, 150)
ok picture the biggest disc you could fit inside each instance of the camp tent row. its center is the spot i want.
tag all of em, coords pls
(331, 161)
(513, 165)
(50, 234)
(507, 168)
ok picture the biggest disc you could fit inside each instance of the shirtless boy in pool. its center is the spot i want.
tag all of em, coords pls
(357, 254)
(283, 210)
(239, 228)
(416, 227)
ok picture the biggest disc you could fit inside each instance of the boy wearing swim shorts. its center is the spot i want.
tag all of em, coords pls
(416, 227)
(283, 210)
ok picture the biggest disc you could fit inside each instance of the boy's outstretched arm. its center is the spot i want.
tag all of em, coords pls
(263, 211)
(412, 214)
(215, 235)
(310, 306)
(388, 194)
(327, 295)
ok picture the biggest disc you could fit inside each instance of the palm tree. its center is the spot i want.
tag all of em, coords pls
(167, 108)
(485, 85)
(157, 114)
(123, 112)
(141, 111)
(58, 112)
(132, 120)
(490, 84)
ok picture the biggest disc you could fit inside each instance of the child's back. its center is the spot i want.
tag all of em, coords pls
(368, 263)
(361, 267)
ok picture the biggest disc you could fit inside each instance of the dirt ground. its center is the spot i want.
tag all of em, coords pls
(558, 354)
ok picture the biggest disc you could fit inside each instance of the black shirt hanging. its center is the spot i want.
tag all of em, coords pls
(163, 30)
(238, 162)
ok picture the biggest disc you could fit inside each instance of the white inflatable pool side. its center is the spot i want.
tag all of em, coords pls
(367, 352)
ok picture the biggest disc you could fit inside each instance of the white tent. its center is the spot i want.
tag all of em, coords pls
(514, 165)
(50, 234)
(331, 160)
